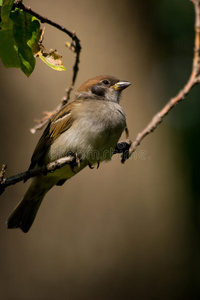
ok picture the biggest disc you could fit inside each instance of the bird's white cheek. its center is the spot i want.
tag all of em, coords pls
(113, 95)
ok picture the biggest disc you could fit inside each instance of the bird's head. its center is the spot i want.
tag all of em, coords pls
(103, 87)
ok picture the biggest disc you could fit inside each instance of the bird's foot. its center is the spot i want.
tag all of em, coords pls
(123, 148)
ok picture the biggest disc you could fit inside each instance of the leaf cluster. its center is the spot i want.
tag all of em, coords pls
(21, 40)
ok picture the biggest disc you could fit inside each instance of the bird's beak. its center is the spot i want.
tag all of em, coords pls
(121, 85)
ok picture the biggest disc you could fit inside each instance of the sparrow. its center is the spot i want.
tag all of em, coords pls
(88, 128)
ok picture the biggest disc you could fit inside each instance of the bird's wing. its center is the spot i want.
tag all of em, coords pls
(59, 123)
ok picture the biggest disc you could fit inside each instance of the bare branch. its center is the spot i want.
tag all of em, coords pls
(72, 160)
(51, 167)
(193, 80)
(65, 99)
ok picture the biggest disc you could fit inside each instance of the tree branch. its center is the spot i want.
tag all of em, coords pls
(72, 160)
(192, 81)
(75, 46)
(51, 167)
(125, 148)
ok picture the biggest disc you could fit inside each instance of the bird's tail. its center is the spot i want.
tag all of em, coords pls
(24, 214)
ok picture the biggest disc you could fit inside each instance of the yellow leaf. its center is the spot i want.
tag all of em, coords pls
(52, 59)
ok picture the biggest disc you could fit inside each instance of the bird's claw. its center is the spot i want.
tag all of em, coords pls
(123, 148)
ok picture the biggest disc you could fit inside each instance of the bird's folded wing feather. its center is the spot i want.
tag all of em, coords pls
(58, 124)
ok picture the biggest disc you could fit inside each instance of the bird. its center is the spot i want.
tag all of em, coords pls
(88, 127)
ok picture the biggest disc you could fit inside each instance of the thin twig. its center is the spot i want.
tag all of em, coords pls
(64, 100)
(193, 80)
(75, 46)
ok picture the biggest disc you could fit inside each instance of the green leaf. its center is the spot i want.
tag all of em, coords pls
(19, 38)
(26, 32)
(6, 8)
(8, 46)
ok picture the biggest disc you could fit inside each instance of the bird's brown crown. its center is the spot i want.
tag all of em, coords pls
(106, 80)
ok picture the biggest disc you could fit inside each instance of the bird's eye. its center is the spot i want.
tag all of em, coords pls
(106, 82)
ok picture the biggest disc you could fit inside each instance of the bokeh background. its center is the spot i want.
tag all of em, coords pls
(123, 231)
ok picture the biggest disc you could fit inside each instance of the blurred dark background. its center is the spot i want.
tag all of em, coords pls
(123, 231)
